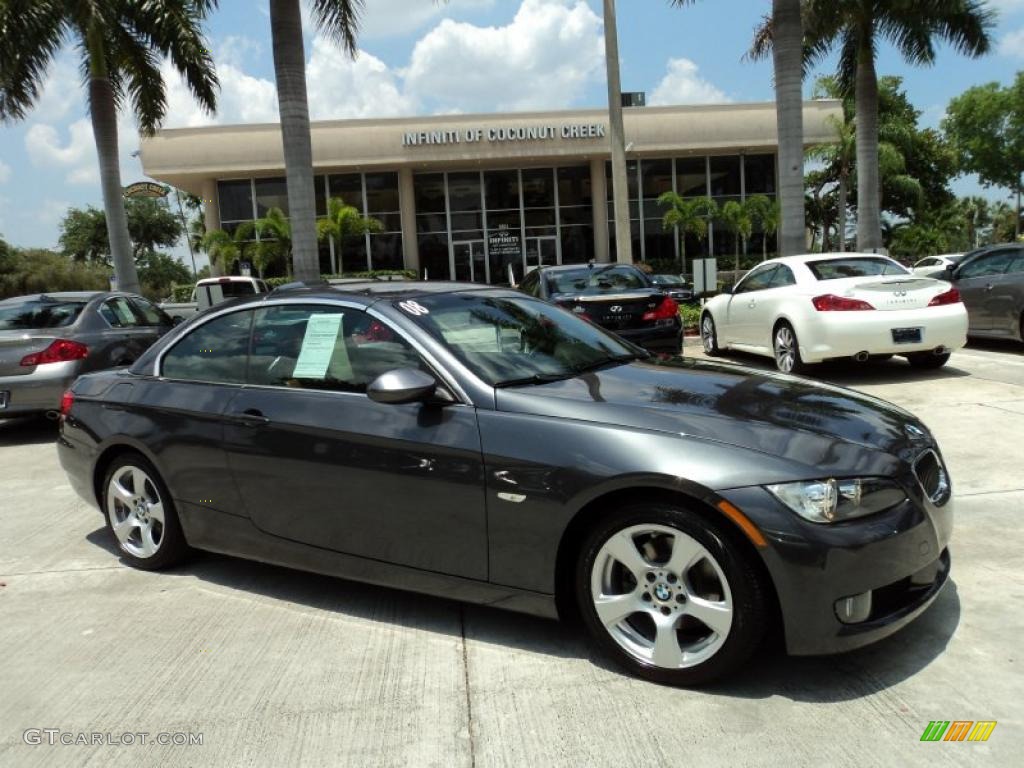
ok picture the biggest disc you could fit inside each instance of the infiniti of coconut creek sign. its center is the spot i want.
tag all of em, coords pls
(478, 135)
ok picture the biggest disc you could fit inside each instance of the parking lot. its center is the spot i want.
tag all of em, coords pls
(275, 667)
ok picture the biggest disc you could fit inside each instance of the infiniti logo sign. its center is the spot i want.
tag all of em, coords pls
(615, 310)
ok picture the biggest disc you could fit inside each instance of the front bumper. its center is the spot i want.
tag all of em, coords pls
(899, 556)
(38, 391)
(844, 334)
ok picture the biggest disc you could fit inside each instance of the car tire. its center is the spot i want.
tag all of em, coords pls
(709, 335)
(786, 348)
(140, 514)
(928, 360)
(678, 565)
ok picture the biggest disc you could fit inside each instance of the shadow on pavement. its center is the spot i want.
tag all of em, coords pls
(1009, 346)
(771, 673)
(27, 430)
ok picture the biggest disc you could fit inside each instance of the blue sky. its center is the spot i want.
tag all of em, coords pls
(418, 57)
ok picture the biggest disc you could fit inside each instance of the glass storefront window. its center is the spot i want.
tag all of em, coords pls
(759, 174)
(725, 175)
(350, 254)
(691, 176)
(632, 179)
(574, 188)
(386, 251)
(577, 244)
(433, 250)
(349, 187)
(501, 189)
(235, 198)
(271, 193)
(382, 193)
(428, 189)
(464, 192)
(538, 188)
(321, 195)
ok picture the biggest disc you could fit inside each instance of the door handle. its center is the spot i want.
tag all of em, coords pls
(752, 304)
(989, 287)
(251, 417)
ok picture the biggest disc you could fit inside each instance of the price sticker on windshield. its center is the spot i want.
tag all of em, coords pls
(413, 308)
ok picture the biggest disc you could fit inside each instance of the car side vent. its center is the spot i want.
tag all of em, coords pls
(932, 477)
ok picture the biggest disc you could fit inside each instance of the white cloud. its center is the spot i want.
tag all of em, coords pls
(390, 18)
(5, 172)
(242, 99)
(339, 86)
(62, 91)
(682, 84)
(544, 58)
(48, 149)
(1007, 6)
(1012, 44)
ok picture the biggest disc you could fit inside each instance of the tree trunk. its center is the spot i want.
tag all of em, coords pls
(737, 264)
(1016, 225)
(290, 75)
(617, 139)
(104, 129)
(787, 53)
(841, 225)
(869, 191)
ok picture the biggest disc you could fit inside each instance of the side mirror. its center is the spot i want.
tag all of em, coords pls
(178, 320)
(402, 385)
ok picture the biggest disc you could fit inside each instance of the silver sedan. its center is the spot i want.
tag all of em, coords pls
(47, 340)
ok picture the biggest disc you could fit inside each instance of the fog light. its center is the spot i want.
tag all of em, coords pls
(855, 608)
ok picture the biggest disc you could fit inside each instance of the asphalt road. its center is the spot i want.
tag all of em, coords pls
(275, 667)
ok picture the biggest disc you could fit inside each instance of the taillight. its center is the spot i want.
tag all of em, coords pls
(66, 401)
(832, 303)
(664, 311)
(952, 296)
(60, 351)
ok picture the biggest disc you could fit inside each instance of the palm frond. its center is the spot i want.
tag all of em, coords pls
(338, 20)
(31, 33)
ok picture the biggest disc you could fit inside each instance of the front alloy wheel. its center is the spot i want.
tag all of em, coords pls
(708, 335)
(787, 350)
(669, 599)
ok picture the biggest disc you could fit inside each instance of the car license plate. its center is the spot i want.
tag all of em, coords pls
(5, 396)
(906, 335)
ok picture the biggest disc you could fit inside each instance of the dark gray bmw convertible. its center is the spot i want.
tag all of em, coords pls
(487, 446)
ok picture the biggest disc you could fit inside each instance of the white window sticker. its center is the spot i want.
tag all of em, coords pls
(414, 308)
(318, 347)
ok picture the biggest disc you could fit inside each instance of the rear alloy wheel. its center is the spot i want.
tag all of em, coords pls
(709, 336)
(928, 360)
(663, 593)
(787, 349)
(141, 515)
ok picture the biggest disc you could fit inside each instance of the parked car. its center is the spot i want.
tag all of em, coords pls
(211, 291)
(618, 297)
(48, 339)
(933, 266)
(481, 444)
(674, 286)
(991, 284)
(808, 309)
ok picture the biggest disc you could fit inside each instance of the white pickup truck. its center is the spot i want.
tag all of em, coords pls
(214, 290)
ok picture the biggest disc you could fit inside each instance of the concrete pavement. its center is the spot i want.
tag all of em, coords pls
(276, 667)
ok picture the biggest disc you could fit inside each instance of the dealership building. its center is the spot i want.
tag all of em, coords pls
(467, 196)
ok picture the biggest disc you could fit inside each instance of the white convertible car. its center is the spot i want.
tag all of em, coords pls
(807, 309)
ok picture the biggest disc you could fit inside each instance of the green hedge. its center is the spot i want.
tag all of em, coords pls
(181, 294)
(690, 315)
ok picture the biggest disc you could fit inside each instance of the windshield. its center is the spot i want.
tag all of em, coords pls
(596, 278)
(516, 340)
(39, 313)
(666, 280)
(859, 266)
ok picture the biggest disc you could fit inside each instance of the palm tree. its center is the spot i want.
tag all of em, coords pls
(839, 157)
(343, 221)
(785, 25)
(736, 218)
(274, 232)
(857, 27)
(689, 215)
(222, 248)
(121, 43)
(338, 20)
(765, 214)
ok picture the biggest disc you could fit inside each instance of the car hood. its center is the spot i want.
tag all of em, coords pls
(827, 429)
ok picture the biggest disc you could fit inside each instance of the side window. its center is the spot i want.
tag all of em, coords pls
(118, 312)
(530, 284)
(149, 312)
(1018, 263)
(324, 347)
(783, 276)
(759, 279)
(990, 264)
(216, 351)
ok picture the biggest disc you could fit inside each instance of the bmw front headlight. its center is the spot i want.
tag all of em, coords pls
(833, 501)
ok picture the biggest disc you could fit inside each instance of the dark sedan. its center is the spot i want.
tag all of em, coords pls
(48, 339)
(488, 446)
(618, 297)
(674, 286)
(991, 285)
